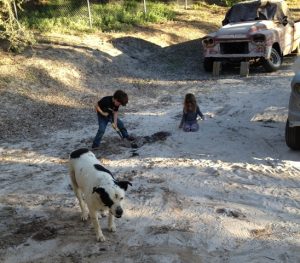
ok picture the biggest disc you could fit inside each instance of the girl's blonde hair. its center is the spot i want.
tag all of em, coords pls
(190, 103)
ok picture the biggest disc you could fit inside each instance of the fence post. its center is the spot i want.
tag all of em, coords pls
(15, 8)
(90, 16)
(145, 7)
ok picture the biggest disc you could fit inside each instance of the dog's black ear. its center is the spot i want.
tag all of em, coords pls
(123, 184)
(104, 196)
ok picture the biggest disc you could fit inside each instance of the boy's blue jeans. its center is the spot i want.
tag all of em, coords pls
(102, 122)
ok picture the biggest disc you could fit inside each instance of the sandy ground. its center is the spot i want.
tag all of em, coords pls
(228, 193)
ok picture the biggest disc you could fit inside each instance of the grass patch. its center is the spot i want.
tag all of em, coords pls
(118, 16)
(71, 16)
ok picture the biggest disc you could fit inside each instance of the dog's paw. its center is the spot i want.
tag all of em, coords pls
(84, 216)
(112, 228)
(101, 238)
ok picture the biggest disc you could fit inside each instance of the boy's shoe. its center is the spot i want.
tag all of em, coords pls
(130, 138)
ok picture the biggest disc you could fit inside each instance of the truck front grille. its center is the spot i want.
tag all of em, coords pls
(234, 48)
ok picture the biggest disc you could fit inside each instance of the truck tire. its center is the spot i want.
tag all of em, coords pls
(292, 136)
(208, 64)
(274, 62)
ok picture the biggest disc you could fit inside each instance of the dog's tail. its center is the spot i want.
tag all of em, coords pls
(72, 175)
(72, 172)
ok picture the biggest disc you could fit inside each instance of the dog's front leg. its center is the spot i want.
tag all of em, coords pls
(94, 218)
(111, 223)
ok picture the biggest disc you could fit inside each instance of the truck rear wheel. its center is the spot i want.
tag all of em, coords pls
(274, 62)
(208, 64)
(292, 136)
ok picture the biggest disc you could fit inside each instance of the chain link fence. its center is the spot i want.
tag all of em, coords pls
(91, 14)
(85, 12)
(79, 10)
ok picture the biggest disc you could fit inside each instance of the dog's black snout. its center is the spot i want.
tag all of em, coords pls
(119, 211)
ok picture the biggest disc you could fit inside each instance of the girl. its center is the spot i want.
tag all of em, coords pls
(190, 112)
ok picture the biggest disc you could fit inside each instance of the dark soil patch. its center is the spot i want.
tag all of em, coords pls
(158, 136)
(45, 234)
(230, 213)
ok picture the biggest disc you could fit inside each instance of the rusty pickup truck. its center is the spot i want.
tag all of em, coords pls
(260, 32)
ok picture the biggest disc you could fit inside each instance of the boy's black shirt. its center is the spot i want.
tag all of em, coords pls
(106, 104)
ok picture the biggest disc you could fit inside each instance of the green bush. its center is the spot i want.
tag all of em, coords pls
(11, 31)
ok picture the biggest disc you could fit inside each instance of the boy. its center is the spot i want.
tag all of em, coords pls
(107, 111)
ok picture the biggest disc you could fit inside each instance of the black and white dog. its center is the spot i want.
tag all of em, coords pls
(99, 188)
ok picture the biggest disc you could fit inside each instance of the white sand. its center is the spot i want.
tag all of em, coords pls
(227, 193)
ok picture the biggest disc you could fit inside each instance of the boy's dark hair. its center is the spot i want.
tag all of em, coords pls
(121, 97)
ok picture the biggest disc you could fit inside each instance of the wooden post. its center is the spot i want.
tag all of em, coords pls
(145, 7)
(244, 69)
(90, 15)
(216, 68)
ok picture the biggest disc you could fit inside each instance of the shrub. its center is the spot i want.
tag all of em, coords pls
(11, 30)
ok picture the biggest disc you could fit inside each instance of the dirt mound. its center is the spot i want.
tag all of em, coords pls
(148, 60)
